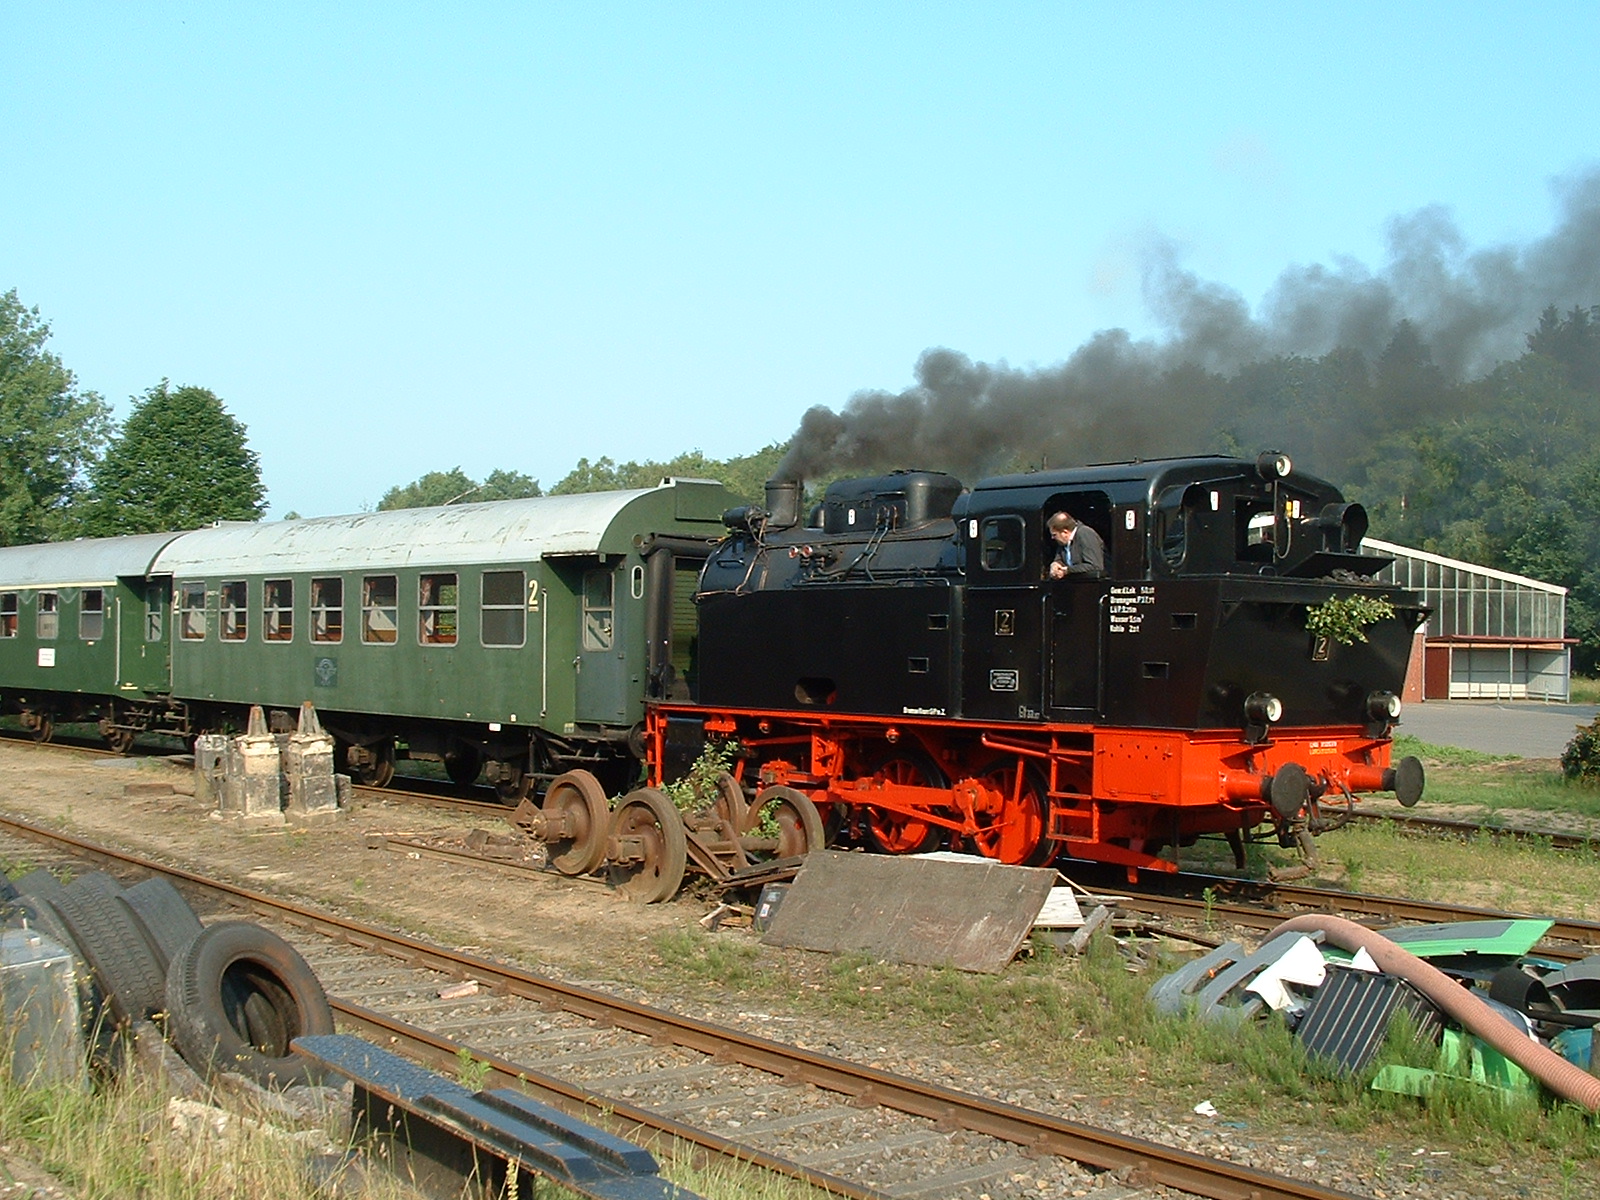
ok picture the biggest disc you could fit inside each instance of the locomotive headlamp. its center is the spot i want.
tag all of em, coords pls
(1262, 708)
(1383, 709)
(1383, 706)
(1272, 465)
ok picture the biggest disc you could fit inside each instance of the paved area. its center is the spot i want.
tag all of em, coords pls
(1529, 728)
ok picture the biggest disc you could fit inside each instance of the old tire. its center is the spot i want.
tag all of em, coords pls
(237, 996)
(114, 944)
(164, 915)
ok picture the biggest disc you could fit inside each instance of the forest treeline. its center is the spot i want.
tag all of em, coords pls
(1502, 470)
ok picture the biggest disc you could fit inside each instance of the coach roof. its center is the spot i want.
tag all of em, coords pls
(87, 562)
(465, 534)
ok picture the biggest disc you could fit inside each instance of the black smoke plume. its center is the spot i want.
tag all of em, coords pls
(1118, 398)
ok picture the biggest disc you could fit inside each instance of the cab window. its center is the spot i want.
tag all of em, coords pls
(1000, 543)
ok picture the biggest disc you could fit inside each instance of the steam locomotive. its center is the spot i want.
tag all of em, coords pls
(903, 660)
(895, 669)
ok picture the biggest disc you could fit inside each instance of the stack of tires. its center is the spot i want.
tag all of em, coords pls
(232, 996)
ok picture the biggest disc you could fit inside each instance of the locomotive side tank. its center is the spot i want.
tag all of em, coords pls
(905, 661)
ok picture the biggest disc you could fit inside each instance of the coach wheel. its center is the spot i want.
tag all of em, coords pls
(1013, 830)
(647, 847)
(41, 724)
(463, 764)
(576, 820)
(120, 740)
(789, 817)
(376, 765)
(896, 833)
(513, 784)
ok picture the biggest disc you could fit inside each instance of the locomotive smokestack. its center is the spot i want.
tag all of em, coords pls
(783, 503)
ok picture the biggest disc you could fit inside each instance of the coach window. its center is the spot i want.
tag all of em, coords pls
(436, 610)
(380, 608)
(192, 611)
(327, 609)
(504, 615)
(1000, 543)
(8, 614)
(232, 622)
(92, 614)
(154, 603)
(48, 620)
(597, 610)
(277, 610)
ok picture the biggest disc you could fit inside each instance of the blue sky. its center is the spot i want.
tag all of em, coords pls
(398, 238)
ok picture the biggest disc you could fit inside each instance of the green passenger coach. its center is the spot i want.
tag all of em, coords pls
(83, 632)
(514, 639)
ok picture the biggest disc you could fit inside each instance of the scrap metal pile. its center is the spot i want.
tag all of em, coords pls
(1503, 1017)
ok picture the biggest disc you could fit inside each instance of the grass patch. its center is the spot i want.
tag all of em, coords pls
(1405, 744)
(1060, 1017)
(1585, 690)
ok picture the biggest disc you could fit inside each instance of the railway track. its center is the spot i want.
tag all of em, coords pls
(855, 1130)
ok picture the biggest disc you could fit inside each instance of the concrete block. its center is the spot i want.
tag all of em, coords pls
(210, 749)
(253, 774)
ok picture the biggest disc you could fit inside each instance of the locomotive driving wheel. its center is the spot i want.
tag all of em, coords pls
(1013, 821)
(576, 820)
(648, 849)
(790, 817)
(893, 832)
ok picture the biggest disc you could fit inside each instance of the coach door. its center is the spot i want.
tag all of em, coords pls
(605, 691)
(143, 609)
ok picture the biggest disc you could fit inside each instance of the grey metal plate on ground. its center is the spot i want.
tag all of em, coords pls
(971, 914)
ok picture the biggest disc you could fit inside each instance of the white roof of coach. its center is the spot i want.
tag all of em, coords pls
(497, 531)
(87, 562)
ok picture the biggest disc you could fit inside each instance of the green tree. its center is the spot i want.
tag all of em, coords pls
(50, 432)
(456, 486)
(745, 474)
(180, 461)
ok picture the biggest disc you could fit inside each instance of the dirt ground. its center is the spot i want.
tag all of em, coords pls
(580, 931)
